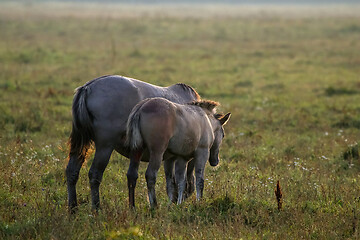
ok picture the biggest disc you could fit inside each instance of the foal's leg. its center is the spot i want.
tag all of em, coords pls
(150, 175)
(201, 157)
(98, 166)
(170, 180)
(132, 175)
(180, 176)
(190, 185)
(72, 175)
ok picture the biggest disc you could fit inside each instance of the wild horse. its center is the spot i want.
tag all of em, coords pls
(185, 131)
(100, 112)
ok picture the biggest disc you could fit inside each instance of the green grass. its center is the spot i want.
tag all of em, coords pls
(291, 83)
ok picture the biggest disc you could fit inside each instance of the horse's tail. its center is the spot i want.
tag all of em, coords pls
(134, 139)
(82, 131)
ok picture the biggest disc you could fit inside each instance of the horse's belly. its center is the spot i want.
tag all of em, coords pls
(181, 148)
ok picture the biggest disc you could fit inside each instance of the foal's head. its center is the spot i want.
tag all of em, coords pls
(217, 124)
(221, 120)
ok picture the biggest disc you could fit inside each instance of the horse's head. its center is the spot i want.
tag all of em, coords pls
(220, 121)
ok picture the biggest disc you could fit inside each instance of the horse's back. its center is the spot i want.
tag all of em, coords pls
(110, 100)
(113, 97)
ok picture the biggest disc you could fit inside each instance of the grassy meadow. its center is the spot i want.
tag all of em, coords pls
(290, 78)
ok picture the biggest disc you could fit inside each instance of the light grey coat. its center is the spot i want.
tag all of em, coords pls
(185, 131)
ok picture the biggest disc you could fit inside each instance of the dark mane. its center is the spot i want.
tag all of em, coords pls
(206, 104)
(187, 87)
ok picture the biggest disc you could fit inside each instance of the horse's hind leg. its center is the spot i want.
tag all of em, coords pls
(180, 177)
(98, 166)
(132, 175)
(170, 179)
(72, 175)
(150, 175)
(190, 183)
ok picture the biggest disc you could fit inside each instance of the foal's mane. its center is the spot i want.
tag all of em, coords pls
(205, 104)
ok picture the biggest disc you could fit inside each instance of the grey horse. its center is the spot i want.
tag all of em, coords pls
(100, 111)
(185, 131)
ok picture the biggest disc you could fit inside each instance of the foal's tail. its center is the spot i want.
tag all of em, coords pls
(82, 129)
(134, 139)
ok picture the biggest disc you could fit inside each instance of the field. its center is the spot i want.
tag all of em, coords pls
(289, 76)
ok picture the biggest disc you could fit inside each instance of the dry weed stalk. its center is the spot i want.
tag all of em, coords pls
(278, 194)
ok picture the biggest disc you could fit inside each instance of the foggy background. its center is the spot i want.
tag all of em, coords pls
(247, 2)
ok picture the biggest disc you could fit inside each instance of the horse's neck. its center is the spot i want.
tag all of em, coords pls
(179, 93)
(201, 113)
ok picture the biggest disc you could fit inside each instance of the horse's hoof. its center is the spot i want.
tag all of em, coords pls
(73, 209)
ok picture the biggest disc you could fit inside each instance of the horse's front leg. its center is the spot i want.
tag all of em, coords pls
(150, 175)
(96, 172)
(180, 177)
(201, 157)
(132, 175)
(170, 180)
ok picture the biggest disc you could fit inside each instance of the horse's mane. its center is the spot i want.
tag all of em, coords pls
(187, 87)
(206, 104)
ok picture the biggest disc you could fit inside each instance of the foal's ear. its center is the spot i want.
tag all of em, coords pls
(225, 119)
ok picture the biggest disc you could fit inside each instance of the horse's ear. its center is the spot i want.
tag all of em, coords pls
(225, 119)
